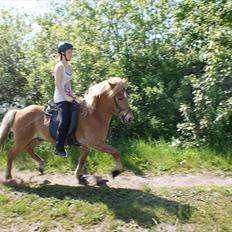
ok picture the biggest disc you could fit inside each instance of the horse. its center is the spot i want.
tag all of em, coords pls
(30, 125)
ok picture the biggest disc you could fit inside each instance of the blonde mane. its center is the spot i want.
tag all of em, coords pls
(105, 87)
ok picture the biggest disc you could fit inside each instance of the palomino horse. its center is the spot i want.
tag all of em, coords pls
(30, 125)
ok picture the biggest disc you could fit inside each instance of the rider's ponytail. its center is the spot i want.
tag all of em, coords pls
(58, 58)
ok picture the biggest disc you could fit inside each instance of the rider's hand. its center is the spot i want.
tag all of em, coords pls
(84, 112)
(69, 98)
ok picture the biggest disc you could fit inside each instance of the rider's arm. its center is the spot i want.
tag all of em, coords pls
(70, 86)
(58, 72)
(70, 89)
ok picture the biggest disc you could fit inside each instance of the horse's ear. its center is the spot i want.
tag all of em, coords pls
(125, 81)
(111, 84)
(114, 88)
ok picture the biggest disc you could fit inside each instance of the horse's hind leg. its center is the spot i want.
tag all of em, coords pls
(36, 157)
(16, 148)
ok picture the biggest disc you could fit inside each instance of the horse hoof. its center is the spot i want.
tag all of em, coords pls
(8, 178)
(115, 173)
(47, 182)
(82, 180)
(41, 167)
(10, 181)
(41, 170)
(102, 182)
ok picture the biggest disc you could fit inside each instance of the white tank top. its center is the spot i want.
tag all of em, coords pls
(66, 84)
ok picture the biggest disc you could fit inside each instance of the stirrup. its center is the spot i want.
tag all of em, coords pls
(61, 153)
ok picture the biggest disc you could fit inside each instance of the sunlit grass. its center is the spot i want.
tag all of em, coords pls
(138, 156)
(54, 206)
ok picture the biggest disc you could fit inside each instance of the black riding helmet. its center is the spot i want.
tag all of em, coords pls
(63, 46)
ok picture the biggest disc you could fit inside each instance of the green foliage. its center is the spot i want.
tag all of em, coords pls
(177, 57)
(205, 36)
(12, 69)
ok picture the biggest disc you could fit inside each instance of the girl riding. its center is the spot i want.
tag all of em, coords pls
(63, 95)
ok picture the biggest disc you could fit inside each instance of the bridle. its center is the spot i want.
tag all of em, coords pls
(120, 110)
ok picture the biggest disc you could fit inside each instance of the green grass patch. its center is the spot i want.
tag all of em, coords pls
(57, 206)
(138, 156)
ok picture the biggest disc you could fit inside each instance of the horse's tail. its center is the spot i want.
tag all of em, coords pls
(5, 127)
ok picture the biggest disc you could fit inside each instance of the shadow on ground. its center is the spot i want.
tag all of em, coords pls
(144, 208)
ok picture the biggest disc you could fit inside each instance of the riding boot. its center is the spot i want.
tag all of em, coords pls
(60, 150)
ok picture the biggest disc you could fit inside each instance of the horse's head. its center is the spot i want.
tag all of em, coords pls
(119, 98)
(112, 95)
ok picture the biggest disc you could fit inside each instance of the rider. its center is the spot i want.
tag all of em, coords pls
(63, 95)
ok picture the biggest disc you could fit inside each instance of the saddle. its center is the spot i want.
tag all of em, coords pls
(51, 109)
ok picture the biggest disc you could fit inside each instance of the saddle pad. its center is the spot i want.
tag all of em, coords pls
(54, 123)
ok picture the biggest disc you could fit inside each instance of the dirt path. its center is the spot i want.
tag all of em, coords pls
(125, 181)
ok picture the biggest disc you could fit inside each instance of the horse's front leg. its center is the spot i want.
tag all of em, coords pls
(78, 172)
(103, 147)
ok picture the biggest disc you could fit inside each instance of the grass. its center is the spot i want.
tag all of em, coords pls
(56, 206)
(29, 207)
(138, 156)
